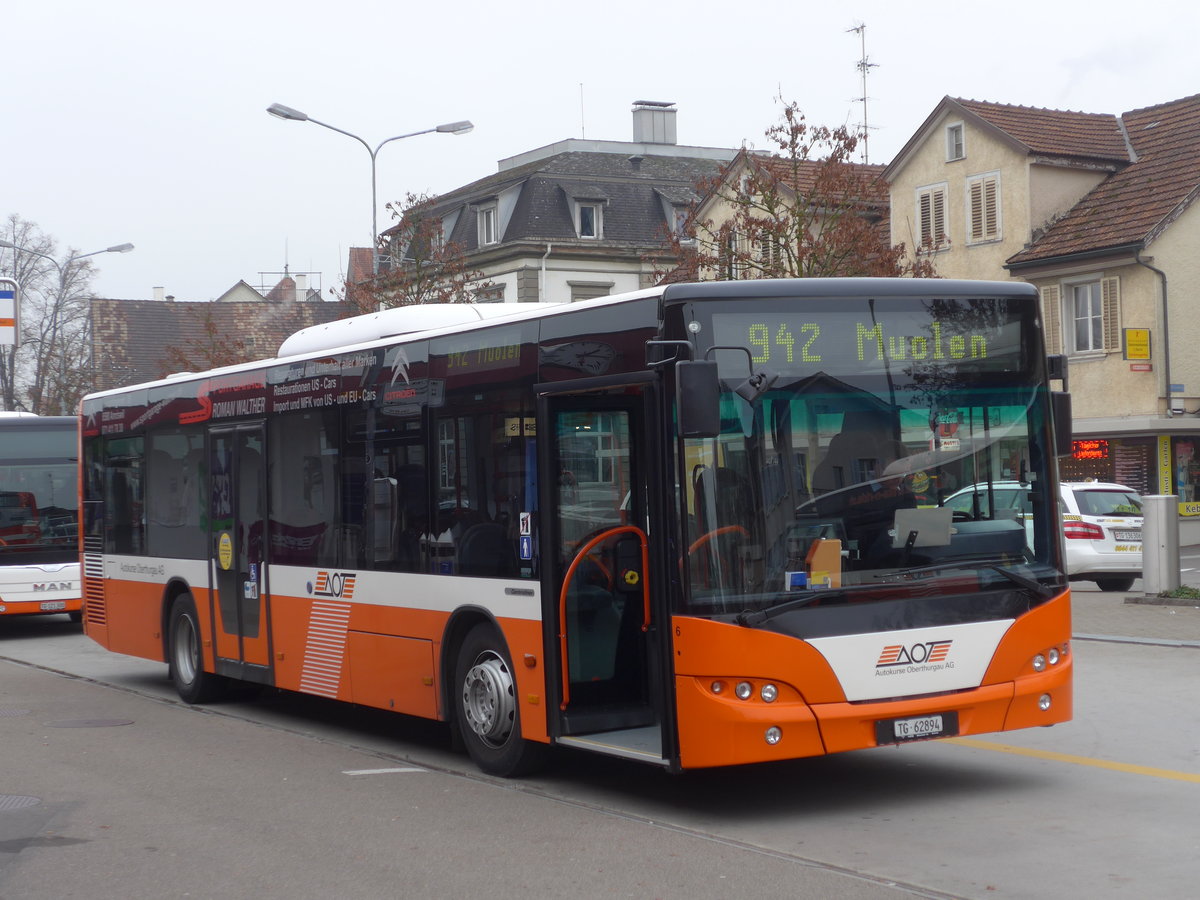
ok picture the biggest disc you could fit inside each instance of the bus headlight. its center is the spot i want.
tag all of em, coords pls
(743, 690)
(774, 735)
(769, 693)
(1039, 663)
(1044, 702)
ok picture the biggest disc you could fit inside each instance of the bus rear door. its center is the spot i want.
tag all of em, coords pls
(238, 534)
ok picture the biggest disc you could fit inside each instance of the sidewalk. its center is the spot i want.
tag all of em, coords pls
(1095, 613)
(1130, 614)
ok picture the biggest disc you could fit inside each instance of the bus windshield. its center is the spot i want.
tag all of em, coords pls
(855, 438)
(39, 503)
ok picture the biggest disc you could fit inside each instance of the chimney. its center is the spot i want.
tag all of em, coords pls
(653, 122)
(158, 294)
(301, 288)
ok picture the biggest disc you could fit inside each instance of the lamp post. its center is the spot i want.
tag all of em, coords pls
(286, 112)
(64, 269)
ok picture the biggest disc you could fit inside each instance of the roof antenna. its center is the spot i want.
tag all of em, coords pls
(582, 123)
(864, 66)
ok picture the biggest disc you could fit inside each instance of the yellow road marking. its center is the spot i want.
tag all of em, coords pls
(1078, 760)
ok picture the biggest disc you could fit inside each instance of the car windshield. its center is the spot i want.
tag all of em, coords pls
(1108, 502)
(848, 478)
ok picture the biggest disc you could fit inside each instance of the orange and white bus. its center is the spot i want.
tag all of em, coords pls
(39, 515)
(699, 525)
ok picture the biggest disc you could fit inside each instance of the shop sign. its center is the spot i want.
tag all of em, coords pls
(1137, 343)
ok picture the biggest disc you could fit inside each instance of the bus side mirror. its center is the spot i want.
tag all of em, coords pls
(699, 398)
(1060, 411)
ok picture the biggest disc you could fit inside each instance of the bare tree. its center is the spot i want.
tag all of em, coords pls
(50, 371)
(804, 210)
(420, 264)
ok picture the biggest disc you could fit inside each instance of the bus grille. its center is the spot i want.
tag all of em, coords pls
(95, 610)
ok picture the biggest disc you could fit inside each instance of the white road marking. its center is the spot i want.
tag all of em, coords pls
(383, 771)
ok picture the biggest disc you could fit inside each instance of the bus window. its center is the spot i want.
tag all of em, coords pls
(125, 523)
(173, 470)
(303, 489)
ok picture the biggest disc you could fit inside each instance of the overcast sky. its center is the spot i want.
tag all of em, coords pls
(145, 122)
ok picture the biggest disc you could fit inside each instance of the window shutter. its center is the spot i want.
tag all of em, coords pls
(926, 210)
(939, 217)
(1051, 313)
(977, 226)
(1110, 293)
(991, 203)
(984, 199)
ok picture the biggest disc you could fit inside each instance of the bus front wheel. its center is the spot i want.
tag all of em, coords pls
(489, 717)
(185, 659)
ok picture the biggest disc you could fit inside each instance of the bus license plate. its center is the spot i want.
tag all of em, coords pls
(52, 605)
(917, 728)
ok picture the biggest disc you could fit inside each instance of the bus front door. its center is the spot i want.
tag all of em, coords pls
(237, 535)
(597, 476)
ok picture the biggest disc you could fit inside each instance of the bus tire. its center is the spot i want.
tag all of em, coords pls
(185, 658)
(488, 712)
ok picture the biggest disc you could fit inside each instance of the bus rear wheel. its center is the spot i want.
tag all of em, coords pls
(489, 717)
(185, 659)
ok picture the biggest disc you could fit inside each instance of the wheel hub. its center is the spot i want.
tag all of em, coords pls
(488, 700)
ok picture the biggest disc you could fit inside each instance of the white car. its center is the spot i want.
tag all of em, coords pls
(1102, 524)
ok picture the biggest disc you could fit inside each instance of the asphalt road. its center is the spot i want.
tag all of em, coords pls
(112, 788)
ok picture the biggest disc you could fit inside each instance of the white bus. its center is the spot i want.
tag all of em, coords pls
(39, 515)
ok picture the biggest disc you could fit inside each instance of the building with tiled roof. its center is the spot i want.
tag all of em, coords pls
(1099, 212)
(576, 219)
(142, 340)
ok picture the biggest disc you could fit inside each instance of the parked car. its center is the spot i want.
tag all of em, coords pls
(1102, 525)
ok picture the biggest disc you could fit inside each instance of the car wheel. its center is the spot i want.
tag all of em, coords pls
(1114, 583)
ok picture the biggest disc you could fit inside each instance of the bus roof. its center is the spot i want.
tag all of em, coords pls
(432, 320)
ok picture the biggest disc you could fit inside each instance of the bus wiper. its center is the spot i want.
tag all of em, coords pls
(758, 616)
(1016, 578)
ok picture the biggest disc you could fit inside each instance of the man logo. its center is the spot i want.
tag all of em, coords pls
(333, 584)
(52, 586)
(899, 655)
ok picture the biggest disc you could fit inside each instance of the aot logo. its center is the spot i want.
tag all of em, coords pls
(333, 584)
(927, 652)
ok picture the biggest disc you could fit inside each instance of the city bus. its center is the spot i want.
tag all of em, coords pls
(698, 525)
(39, 515)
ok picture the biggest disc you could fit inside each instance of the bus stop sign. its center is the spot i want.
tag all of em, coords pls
(10, 296)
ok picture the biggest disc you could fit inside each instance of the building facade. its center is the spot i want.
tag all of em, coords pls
(1098, 211)
(575, 219)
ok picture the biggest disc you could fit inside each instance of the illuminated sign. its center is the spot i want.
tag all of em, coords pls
(1090, 449)
(854, 338)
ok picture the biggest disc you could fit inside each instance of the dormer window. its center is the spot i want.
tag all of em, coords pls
(955, 146)
(586, 203)
(589, 219)
(488, 234)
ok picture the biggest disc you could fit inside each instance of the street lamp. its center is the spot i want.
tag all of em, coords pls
(286, 112)
(116, 248)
